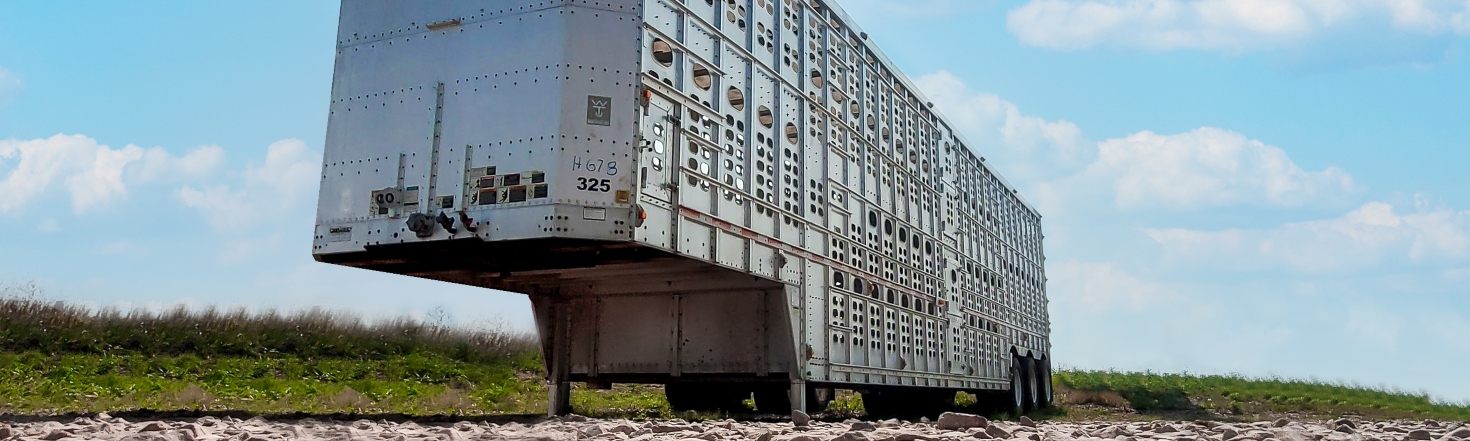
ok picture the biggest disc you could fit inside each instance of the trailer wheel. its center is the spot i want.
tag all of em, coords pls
(1032, 381)
(1043, 372)
(1018, 393)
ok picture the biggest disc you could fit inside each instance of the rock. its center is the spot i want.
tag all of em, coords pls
(621, 428)
(1345, 422)
(1461, 433)
(669, 427)
(1419, 434)
(800, 418)
(1026, 421)
(863, 426)
(954, 420)
(6, 432)
(764, 435)
(852, 436)
(1282, 422)
(980, 435)
(55, 435)
(796, 437)
(154, 427)
(1345, 428)
(996, 432)
(1228, 433)
(1165, 428)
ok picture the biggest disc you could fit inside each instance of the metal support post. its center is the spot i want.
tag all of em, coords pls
(560, 400)
(798, 395)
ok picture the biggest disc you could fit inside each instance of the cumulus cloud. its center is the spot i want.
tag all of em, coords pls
(1359, 239)
(1103, 286)
(289, 173)
(1202, 168)
(1032, 145)
(1234, 25)
(94, 174)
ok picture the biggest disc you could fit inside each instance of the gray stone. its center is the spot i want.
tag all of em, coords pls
(863, 425)
(154, 427)
(1281, 422)
(1344, 428)
(800, 418)
(1026, 421)
(1228, 433)
(954, 420)
(1419, 434)
(996, 432)
(1462, 433)
(852, 436)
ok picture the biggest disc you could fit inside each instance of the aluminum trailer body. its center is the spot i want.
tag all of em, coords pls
(725, 197)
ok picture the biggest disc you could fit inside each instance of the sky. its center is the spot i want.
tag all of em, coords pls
(1270, 188)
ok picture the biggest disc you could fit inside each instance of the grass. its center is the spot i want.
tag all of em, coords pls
(60, 358)
(1238, 397)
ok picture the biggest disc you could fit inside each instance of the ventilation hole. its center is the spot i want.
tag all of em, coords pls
(663, 53)
(792, 133)
(817, 78)
(702, 77)
(737, 98)
(766, 119)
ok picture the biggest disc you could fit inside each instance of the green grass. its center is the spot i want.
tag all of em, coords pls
(60, 358)
(1242, 397)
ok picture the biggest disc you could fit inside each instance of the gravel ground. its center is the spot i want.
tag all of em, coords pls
(949, 427)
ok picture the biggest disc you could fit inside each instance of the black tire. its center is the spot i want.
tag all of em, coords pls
(1033, 390)
(1017, 393)
(1043, 372)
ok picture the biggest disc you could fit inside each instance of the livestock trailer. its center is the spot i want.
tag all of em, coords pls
(731, 198)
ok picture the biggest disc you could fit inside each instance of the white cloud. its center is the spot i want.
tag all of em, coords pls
(10, 86)
(1359, 239)
(1205, 167)
(1233, 25)
(1102, 286)
(95, 175)
(158, 165)
(289, 174)
(1034, 145)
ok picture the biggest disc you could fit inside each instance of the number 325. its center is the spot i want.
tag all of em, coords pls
(594, 184)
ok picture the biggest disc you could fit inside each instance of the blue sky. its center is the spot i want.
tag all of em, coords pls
(1265, 187)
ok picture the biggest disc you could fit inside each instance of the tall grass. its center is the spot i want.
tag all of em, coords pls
(29, 323)
(1239, 395)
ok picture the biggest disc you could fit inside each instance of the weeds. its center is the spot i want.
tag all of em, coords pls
(29, 323)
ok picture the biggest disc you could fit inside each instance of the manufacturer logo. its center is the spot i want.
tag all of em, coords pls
(599, 110)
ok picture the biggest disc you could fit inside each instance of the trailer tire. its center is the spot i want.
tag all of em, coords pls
(1043, 372)
(1017, 395)
(1033, 389)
